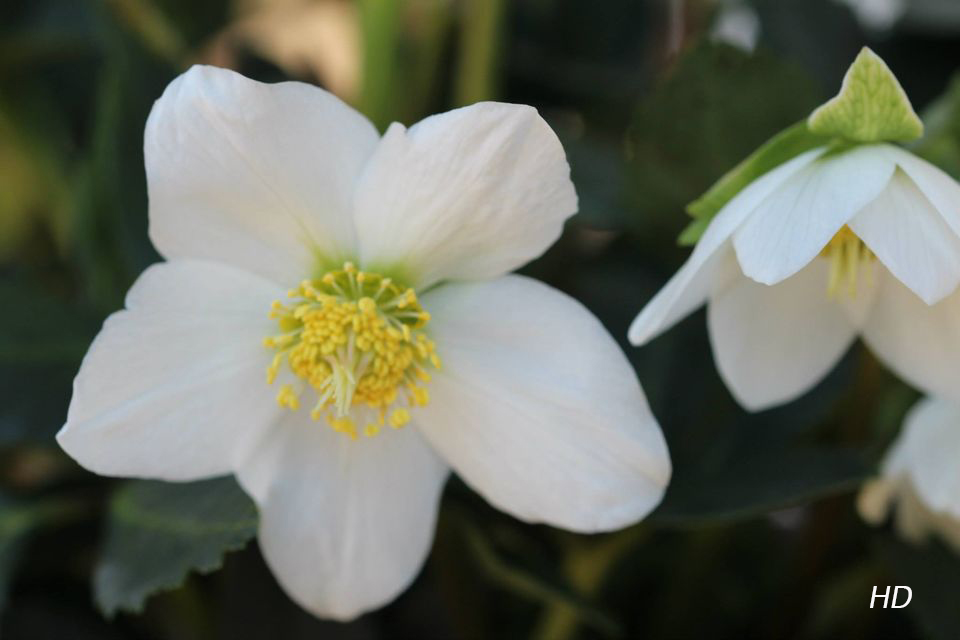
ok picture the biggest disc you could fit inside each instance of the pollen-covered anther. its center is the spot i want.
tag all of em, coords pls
(356, 338)
(847, 254)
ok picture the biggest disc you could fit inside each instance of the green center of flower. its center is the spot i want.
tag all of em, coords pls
(356, 338)
(846, 253)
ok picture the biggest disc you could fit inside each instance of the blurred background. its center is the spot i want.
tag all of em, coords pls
(653, 99)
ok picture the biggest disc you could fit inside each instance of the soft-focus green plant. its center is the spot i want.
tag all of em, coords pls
(757, 536)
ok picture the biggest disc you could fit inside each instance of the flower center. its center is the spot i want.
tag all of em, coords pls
(846, 253)
(354, 337)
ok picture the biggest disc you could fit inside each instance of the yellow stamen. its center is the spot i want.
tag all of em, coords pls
(357, 339)
(846, 253)
(399, 417)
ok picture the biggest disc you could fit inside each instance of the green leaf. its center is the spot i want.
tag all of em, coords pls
(784, 146)
(715, 106)
(18, 520)
(41, 345)
(940, 143)
(871, 106)
(33, 176)
(157, 533)
(756, 482)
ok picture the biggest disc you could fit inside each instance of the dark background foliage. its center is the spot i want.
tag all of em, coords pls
(757, 536)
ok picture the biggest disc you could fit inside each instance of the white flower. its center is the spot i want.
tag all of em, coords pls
(827, 246)
(920, 477)
(736, 24)
(877, 15)
(255, 189)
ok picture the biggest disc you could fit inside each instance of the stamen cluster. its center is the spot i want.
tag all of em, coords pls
(356, 338)
(846, 252)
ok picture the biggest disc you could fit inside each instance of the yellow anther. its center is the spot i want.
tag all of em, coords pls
(274, 368)
(288, 398)
(399, 417)
(420, 395)
(355, 338)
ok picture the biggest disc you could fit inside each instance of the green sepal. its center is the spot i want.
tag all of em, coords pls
(781, 148)
(871, 106)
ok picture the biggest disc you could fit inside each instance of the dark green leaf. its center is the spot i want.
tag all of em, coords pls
(157, 533)
(941, 141)
(759, 481)
(714, 108)
(18, 519)
(42, 340)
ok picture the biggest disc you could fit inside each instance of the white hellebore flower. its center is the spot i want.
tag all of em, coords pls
(920, 477)
(397, 250)
(847, 238)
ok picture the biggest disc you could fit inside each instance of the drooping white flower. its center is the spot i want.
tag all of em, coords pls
(334, 325)
(847, 238)
(919, 477)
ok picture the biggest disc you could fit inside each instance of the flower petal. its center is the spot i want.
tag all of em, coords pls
(875, 499)
(919, 475)
(174, 387)
(344, 525)
(774, 343)
(939, 188)
(926, 451)
(921, 343)
(468, 194)
(911, 239)
(255, 175)
(537, 408)
(692, 284)
(793, 224)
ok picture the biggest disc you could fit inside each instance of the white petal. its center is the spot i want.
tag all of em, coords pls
(174, 386)
(774, 343)
(693, 283)
(468, 194)
(911, 239)
(345, 525)
(793, 224)
(921, 343)
(926, 452)
(255, 175)
(537, 408)
(939, 188)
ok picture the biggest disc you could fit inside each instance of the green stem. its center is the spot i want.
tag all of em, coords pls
(480, 46)
(587, 564)
(380, 24)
